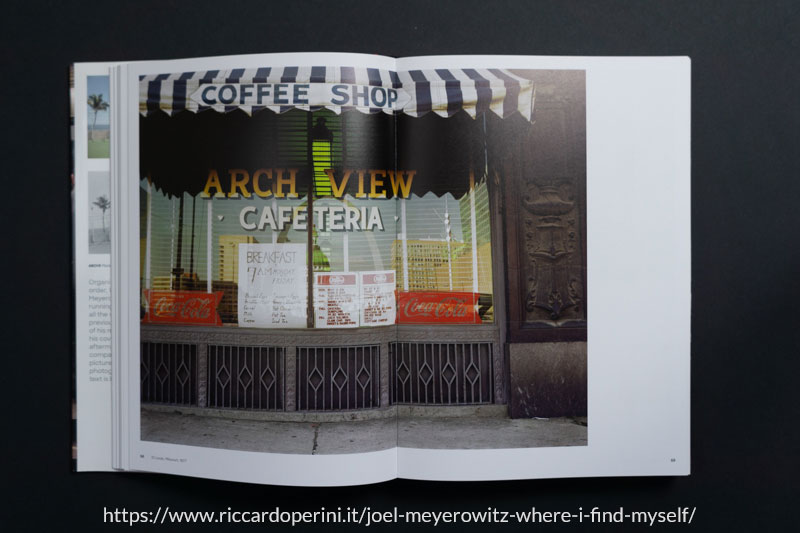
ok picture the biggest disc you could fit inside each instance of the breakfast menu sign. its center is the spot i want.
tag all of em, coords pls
(272, 285)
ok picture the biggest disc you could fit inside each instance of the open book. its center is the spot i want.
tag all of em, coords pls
(331, 269)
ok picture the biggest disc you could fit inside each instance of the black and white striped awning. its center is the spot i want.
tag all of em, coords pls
(416, 92)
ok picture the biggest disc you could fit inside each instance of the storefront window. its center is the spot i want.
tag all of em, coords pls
(425, 248)
(442, 255)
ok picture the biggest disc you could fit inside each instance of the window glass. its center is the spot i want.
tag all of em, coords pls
(435, 243)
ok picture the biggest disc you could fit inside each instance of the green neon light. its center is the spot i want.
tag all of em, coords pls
(322, 157)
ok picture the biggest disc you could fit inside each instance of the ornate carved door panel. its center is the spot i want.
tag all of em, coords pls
(543, 174)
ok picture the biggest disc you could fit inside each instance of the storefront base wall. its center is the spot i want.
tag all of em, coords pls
(547, 379)
(301, 371)
(395, 411)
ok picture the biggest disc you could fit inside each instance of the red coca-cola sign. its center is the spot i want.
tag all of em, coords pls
(437, 308)
(182, 307)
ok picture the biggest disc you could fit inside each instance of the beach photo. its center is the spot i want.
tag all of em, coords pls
(99, 131)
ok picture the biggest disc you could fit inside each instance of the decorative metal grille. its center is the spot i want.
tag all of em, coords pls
(338, 378)
(441, 373)
(168, 373)
(246, 377)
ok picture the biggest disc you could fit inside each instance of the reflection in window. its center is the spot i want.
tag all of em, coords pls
(447, 248)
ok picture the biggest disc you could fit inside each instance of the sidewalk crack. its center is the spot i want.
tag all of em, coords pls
(316, 435)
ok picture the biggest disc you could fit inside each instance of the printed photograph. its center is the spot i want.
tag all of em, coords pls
(99, 147)
(99, 213)
(339, 259)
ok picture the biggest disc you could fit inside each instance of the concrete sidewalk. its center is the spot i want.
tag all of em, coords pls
(360, 436)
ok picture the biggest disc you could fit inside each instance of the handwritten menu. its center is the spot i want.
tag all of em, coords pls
(272, 285)
(377, 298)
(336, 302)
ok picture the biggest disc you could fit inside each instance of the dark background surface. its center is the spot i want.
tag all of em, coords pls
(746, 260)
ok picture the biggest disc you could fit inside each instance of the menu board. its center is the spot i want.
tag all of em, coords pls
(272, 285)
(336, 302)
(377, 298)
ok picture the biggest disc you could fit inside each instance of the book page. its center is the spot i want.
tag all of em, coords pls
(555, 214)
(260, 304)
(92, 255)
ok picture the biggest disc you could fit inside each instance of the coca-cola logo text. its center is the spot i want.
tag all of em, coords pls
(437, 307)
(183, 307)
(448, 307)
(198, 308)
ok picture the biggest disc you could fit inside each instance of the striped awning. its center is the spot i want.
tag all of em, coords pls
(444, 92)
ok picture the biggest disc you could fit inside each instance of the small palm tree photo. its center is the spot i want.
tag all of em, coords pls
(96, 104)
(104, 204)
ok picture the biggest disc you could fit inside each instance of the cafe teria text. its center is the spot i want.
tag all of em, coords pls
(282, 183)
